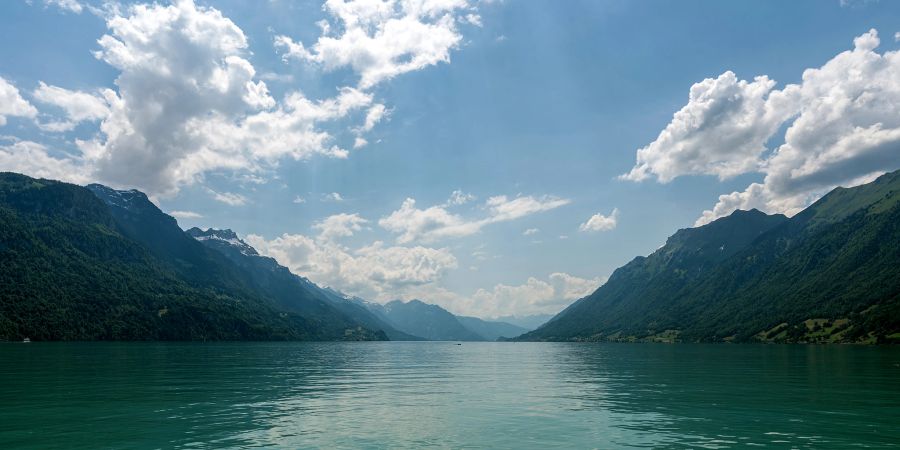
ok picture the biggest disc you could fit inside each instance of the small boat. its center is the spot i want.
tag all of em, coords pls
(26, 340)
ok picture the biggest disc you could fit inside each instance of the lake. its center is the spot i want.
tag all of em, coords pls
(440, 394)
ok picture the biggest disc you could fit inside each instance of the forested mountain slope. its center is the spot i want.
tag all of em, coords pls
(829, 274)
(75, 267)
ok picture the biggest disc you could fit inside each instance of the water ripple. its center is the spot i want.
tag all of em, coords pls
(432, 394)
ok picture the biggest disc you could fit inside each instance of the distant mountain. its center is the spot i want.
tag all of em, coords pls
(434, 323)
(422, 319)
(359, 309)
(95, 263)
(529, 322)
(330, 310)
(491, 330)
(829, 274)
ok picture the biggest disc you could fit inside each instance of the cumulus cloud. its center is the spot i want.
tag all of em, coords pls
(376, 271)
(436, 222)
(843, 128)
(599, 222)
(186, 102)
(721, 131)
(530, 232)
(33, 159)
(430, 224)
(78, 106)
(339, 225)
(298, 200)
(535, 296)
(332, 197)
(381, 272)
(382, 39)
(12, 103)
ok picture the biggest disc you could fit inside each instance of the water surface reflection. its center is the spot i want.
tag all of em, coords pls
(433, 394)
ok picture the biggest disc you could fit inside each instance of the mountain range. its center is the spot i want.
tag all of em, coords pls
(95, 263)
(92, 263)
(400, 321)
(829, 274)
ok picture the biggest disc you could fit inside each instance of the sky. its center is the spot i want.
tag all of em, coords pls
(493, 157)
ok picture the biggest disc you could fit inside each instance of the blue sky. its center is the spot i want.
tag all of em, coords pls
(530, 112)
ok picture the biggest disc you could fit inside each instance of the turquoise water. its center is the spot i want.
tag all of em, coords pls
(434, 394)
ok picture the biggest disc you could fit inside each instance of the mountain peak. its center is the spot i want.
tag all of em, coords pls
(732, 231)
(128, 198)
(226, 236)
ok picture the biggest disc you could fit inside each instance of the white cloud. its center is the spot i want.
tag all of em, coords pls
(847, 131)
(599, 222)
(428, 224)
(181, 67)
(722, 131)
(78, 106)
(12, 103)
(66, 5)
(374, 271)
(435, 222)
(185, 214)
(381, 273)
(897, 36)
(535, 296)
(332, 197)
(187, 102)
(473, 19)
(503, 209)
(530, 231)
(339, 225)
(33, 159)
(382, 39)
(843, 128)
(228, 198)
(298, 200)
(374, 115)
(458, 197)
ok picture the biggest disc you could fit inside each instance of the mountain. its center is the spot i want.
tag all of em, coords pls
(829, 274)
(94, 263)
(422, 319)
(360, 310)
(292, 292)
(491, 330)
(528, 322)
(437, 324)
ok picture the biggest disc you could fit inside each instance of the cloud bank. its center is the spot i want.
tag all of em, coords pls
(843, 129)
(187, 101)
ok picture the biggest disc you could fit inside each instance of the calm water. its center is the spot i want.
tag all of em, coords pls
(412, 395)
